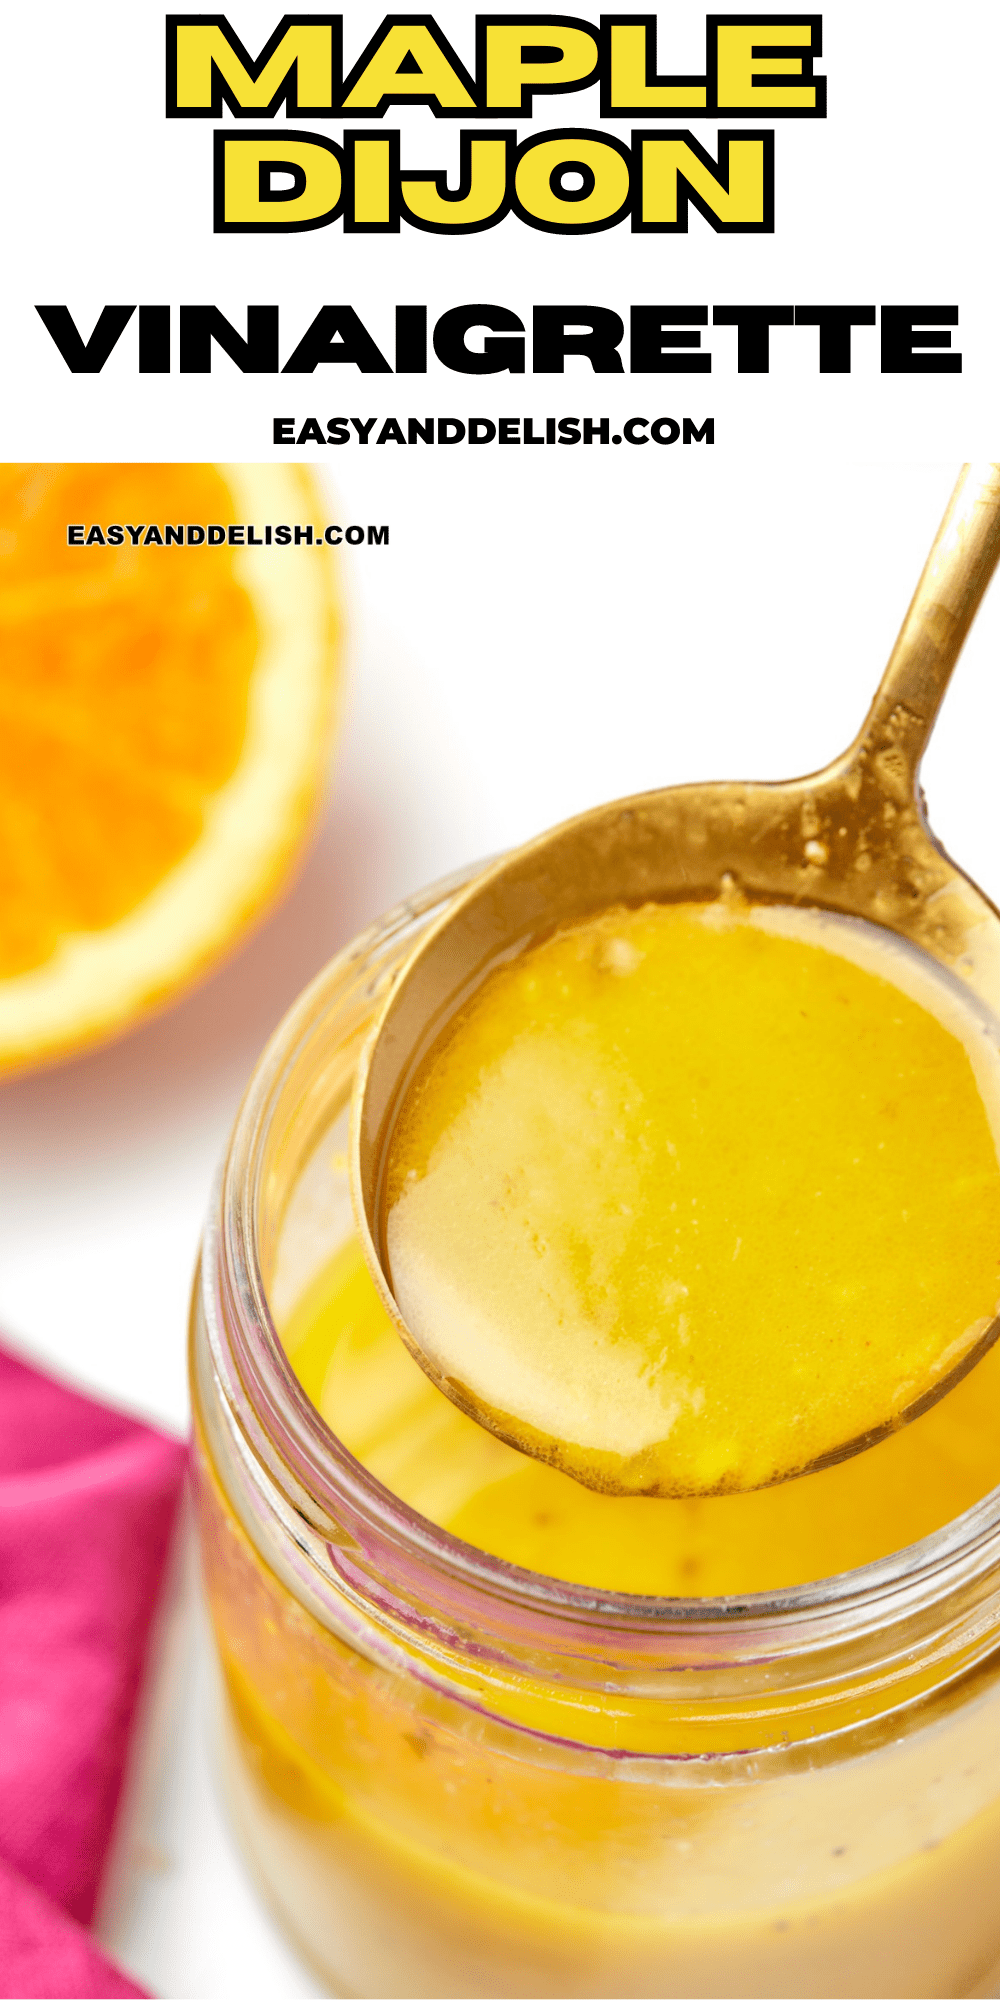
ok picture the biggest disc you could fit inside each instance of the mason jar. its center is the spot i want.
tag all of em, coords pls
(454, 1776)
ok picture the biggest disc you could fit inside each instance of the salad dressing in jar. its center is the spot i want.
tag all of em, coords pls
(488, 1733)
(662, 1728)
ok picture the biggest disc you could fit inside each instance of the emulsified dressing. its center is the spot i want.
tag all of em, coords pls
(820, 1190)
(688, 1197)
(517, 1802)
(355, 1368)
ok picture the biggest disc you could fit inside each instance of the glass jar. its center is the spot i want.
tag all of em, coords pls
(453, 1776)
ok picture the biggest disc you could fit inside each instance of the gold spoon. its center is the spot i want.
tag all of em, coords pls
(852, 838)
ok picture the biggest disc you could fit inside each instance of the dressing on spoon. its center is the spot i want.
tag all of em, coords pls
(511, 1170)
(694, 1196)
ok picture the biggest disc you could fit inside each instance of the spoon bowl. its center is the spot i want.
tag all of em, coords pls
(852, 839)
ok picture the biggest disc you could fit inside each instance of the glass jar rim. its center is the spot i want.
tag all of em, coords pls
(291, 1446)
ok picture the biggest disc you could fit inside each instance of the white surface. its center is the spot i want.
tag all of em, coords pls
(888, 200)
(737, 627)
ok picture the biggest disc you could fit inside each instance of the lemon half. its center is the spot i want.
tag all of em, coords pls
(166, 715)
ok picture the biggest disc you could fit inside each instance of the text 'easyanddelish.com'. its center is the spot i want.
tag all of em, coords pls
(234, 535)
(490, 430)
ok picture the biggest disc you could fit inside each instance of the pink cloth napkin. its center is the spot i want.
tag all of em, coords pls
(88, 1499)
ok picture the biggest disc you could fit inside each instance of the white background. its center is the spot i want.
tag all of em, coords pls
(544, 630)
(888, 200)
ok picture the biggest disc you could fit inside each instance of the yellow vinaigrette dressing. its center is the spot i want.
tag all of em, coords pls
(684, 1200)
(734, 1169)
(613, 1770)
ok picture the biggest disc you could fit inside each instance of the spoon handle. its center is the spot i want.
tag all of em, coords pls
(965, 553)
